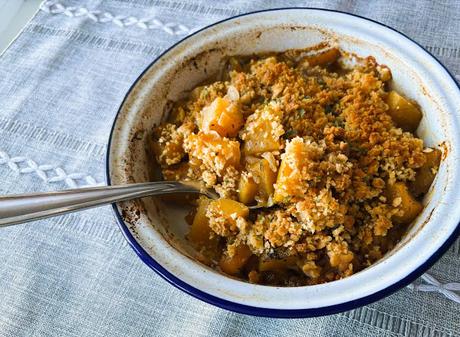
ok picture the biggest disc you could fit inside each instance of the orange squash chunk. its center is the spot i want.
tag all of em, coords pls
(262, 131)
(426, 173)
(323, 58)
(260, 182)
(267, 178)
(232, 265)
(247, 189)
(399, 195)
(230, 209)
(268, 264)
(200, 232)
(404, 113)
(222, 116)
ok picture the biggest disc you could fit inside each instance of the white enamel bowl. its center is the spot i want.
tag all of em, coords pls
(156, 231)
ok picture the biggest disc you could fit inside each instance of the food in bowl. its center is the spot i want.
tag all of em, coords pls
(316, 136)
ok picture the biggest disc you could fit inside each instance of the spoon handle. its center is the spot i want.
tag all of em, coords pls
(21, 208)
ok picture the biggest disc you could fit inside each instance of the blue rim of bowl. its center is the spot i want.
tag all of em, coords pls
(258, 311)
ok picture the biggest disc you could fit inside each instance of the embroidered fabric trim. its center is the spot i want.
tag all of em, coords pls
(122, 21)
(433, 285)
(47, 173)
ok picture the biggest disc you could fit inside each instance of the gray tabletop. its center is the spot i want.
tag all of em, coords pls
(61, 83)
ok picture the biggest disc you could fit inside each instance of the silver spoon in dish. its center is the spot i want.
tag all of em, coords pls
(20, 208)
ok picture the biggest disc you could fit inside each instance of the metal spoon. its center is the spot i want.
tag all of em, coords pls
(21, 208)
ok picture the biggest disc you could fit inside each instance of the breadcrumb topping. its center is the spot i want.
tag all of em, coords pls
(327, 136)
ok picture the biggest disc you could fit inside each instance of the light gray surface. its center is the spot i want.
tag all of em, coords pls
(61, 83)
(14, 15)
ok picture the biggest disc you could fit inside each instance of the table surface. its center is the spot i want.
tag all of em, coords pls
(14, 15)
(61, 83)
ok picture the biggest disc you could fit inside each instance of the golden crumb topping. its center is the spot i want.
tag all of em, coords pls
(329, 149)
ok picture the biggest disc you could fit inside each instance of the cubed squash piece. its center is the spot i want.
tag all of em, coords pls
(404, 113)
(232, 264)
(286, 181)
(398, 194)
(247, 189)
(262, 131)
(225, 216)
(215, 152)
(271, 264)
(265, 176)
(258, 181)
(229, 209)
(425, 174)
(323, 58)
(222, 116)
(200, 232)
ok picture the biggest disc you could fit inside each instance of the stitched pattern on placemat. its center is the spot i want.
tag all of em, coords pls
(433, 285)
(444, 51)
(97, 41)
(122, 21)
(98, 227)
(395, 324)
(47, 173)
(59, 139)
(189, 6)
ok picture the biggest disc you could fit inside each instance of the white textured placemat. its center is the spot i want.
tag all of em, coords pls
(61, 83)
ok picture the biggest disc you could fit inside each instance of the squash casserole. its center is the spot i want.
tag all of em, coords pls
(320, 138)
